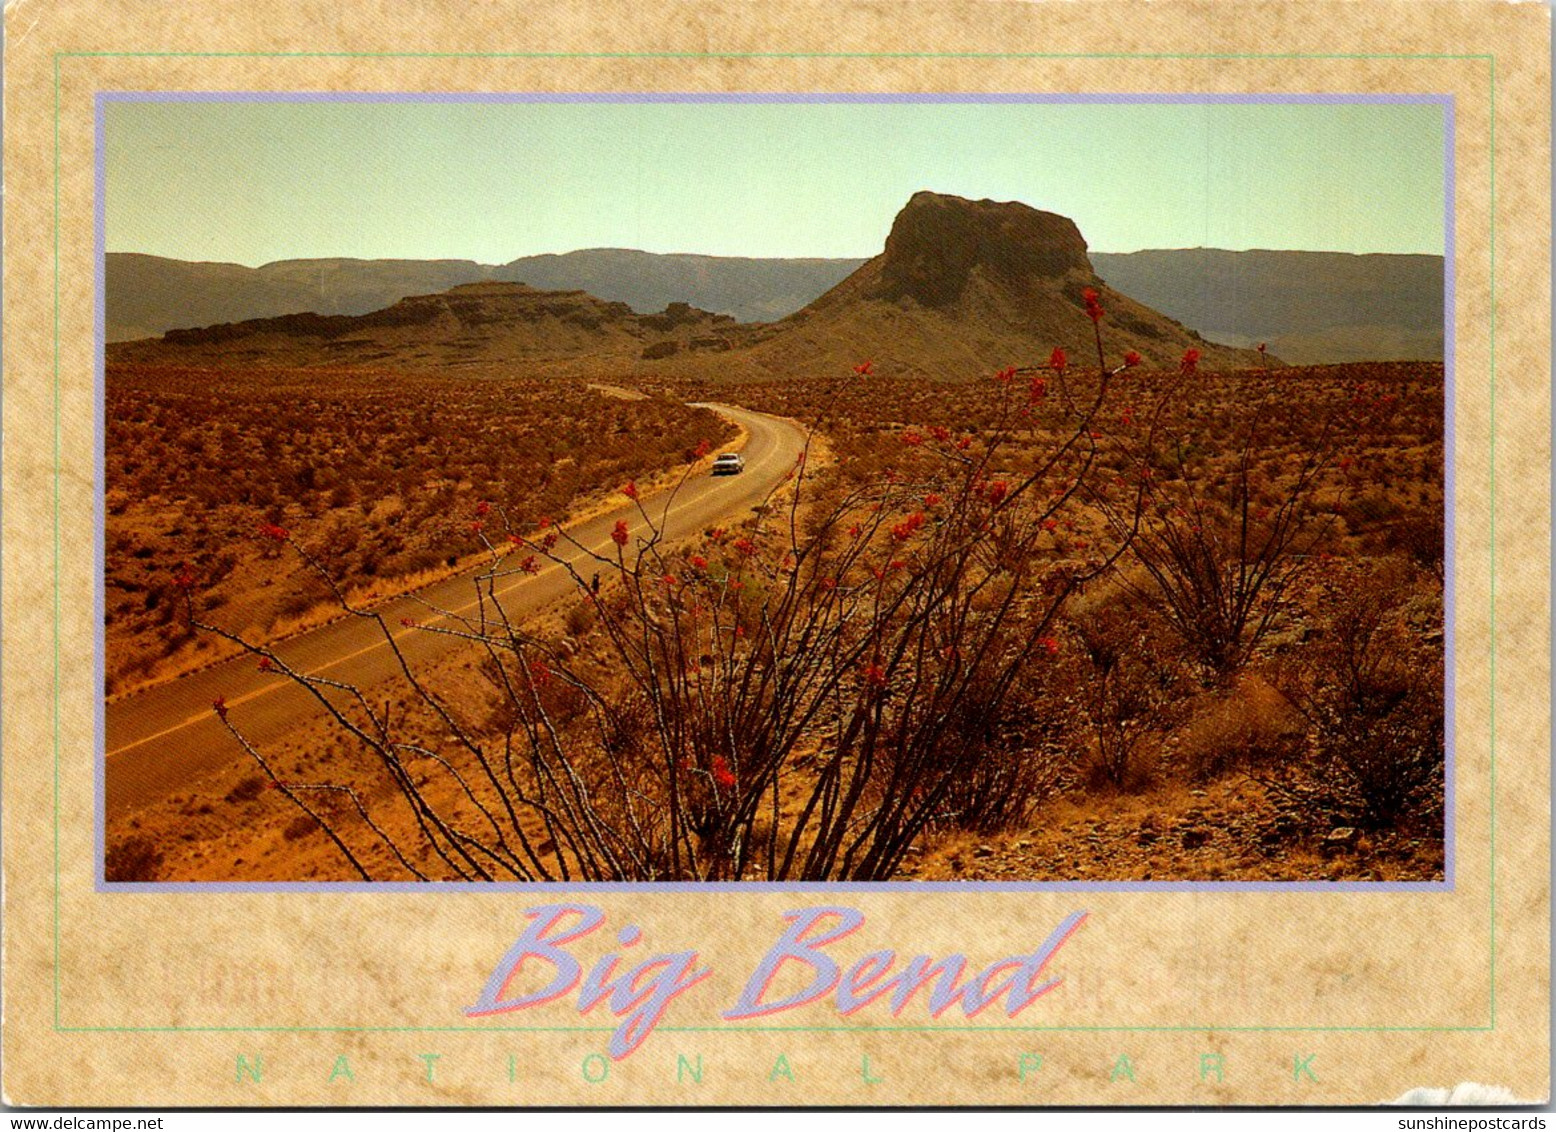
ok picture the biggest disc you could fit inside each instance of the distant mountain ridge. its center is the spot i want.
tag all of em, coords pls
(961, 289)
(148, 295)
(1308, 306)
(749, 290)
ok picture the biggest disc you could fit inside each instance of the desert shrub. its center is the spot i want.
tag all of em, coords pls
(305, 598)
(579, 619)
(247, 790)
(628, 725)
(1369, 510)
(1374, 700)
(1420, 537)
(1022, 756)
(300, 827)
(1218, 560)
(1248, 727)
(136, 858)
(1128, 682)
(1001, 789)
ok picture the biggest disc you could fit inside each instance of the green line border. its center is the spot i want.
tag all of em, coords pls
(1491, 62)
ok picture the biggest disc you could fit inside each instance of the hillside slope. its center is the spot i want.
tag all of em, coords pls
(474, 323)
(965, 287)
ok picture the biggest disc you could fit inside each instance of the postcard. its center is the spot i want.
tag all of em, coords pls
(872, 554)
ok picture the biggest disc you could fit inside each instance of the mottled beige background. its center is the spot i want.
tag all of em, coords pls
(141, 999)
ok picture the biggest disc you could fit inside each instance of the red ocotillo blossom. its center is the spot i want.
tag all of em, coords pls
(721, 772)
(905, 529)
(1093, 304)
(1190, 361)
(619, 535)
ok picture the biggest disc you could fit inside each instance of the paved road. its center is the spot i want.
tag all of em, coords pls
(167, 737)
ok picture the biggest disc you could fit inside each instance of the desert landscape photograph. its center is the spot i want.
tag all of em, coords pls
(774, 491)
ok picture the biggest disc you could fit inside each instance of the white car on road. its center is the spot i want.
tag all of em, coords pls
(729, 464)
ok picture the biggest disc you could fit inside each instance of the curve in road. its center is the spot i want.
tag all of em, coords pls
(167, 737)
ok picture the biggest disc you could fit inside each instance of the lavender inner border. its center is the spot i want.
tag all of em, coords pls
(1446, 102)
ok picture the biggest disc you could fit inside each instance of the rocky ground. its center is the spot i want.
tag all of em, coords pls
(1227, 830)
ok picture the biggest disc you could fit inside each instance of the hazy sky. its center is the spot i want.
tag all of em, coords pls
(250, 182)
